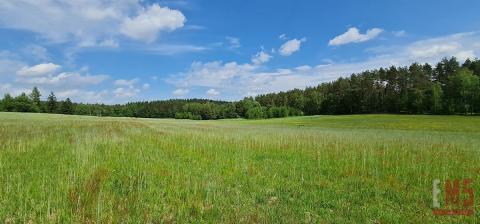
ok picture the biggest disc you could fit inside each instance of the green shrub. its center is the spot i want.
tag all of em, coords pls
(256, 113)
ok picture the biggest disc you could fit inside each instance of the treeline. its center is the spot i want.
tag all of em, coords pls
(147, 109)
(247, 108)
(32, 103)
(447, 88)
(196, 109)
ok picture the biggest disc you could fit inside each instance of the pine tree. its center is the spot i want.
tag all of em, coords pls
(51, 103)
(35, 97)
(67, 107)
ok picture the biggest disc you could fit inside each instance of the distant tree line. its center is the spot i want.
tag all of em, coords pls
(447, 88)
(32, 103)
(146, 109)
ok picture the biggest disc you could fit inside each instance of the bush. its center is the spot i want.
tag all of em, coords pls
(273, 112)
(295, 112)
(256, 113)
(187, 115)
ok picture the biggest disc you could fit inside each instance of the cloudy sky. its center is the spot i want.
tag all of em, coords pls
(127, 50)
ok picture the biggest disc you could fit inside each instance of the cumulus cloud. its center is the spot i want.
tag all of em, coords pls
(11, 89)
(212, 74)
(239, 80)
(39, 70)
(353, 35)
(461, 45)
(64, 79)
(151, 21)
(212, 92)
(125, 82)
(290, 47)
(47, 77)
(126, 92)
(85, 96)
(261, 57)
(90, 22)
(180, 92)
(128, 88)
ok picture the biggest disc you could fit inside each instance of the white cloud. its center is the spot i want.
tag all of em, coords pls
(90, 22)
(212, 92)
(462, 46)
(64, 79)
(240, 79)
(433, 50)
(290, 47)
(261, 57)
(128, 88)
(12, 90)
(84, 96)
(399, 33)
(151, 21)
(234, 42)
(109, 43)
(39, 70)
(236, 80)
(36, 52)
(180, 92)
(212, 74)
(171, 49)
(353, 35)
(9, 64)
(4, 88)
(125, 82)
(282, 36)
(126, 92)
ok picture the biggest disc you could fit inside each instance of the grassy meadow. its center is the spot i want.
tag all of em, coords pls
(320, 169)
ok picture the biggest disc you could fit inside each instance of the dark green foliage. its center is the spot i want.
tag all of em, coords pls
(23, 104)
(278, 112)
(417, 89)
(67, 107)
(35, 97)
(465, 86)
(51, 103)
(207, 111)
(246, 104)
(7, 104)
(187, 115)
(256, 113)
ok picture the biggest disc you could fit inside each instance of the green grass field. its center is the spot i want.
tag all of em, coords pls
(321, 169)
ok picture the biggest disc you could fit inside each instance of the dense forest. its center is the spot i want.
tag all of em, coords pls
(447, 88)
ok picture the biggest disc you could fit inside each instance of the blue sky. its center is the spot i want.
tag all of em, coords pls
(129, 50)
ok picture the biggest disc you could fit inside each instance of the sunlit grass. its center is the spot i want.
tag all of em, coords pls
(323, 169)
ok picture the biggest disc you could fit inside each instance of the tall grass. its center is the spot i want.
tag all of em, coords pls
(324, 169)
